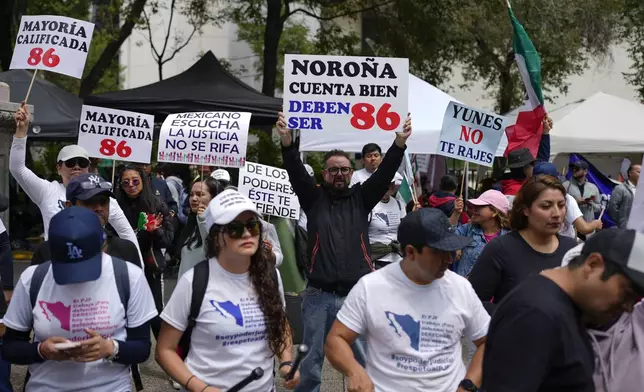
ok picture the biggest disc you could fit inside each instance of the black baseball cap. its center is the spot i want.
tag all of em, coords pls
(624, 247)
(76, 243)
(430, 226)
(579, 164)
(85, 186)
(520, 158)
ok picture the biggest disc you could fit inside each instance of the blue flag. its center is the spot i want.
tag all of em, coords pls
(604, 184)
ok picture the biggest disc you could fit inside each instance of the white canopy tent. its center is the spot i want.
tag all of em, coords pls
(600, 124)
(427, 105)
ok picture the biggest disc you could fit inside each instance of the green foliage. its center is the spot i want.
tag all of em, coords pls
(634, 34)
(266, 151)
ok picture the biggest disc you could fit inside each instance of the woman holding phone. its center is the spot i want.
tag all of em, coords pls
(152, 222)
(242, 323)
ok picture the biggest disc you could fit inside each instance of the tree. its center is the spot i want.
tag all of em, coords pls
(197, 14)
(634, 34)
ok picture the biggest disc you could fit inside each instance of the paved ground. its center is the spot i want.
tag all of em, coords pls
(154, 379)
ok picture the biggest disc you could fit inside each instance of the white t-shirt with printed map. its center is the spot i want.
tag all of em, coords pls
(66, 311)
(383, 225)
(229, 339)
(414, 332)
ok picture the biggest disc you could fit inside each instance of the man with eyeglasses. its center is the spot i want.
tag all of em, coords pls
(338, 238)
(50, 196)
(94, 193)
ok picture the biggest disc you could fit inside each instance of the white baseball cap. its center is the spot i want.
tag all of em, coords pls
(226, 206)
(72, 151)
(309, 170)
(220, 175)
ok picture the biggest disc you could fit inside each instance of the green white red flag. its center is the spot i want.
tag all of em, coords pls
(527, 131)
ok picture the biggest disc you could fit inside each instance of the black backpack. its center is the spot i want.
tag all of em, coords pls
(200, 277)
(122, 277)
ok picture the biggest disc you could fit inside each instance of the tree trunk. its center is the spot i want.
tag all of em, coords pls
(89, 83)
(272, 35)
(7, 21)
(506, 85)
(160, 66)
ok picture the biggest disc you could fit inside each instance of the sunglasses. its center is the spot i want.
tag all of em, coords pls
(236, 229)
(89, 185)
(133, 182)
(335, 170)
(81, 162)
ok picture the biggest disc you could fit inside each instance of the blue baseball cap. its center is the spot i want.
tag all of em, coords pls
(85, 186)
(76, 242)
(430, 226)
(546, 168)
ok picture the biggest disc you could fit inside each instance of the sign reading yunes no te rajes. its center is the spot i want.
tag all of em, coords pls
(116, 134)
(470, 134)
(345, 94)
(205, 138)
(270, 189)
(52, 43)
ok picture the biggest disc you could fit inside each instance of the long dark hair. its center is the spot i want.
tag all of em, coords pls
(190, 235)
(147, 201)
(528, 194)
(263, 277)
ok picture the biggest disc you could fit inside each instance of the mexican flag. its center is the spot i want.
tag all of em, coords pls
(527, 131)
(408, 172)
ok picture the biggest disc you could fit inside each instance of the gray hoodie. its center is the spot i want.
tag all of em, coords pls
(619, 351)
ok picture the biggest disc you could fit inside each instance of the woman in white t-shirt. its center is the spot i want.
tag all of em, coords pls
(50, 196)
(242, 323)
(89, 313)
(384, 220)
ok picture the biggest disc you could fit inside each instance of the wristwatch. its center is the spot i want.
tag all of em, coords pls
(468, 385)
(115, 353)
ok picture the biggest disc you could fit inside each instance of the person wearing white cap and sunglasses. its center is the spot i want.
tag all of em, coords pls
(241, 324)
(50, 196)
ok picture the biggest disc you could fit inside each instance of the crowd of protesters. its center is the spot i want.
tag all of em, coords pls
(518, 289)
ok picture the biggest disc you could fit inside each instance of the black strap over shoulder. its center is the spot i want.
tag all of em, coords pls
(200, 277)
(36, 281)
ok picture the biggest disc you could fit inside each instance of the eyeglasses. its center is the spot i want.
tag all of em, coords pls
(236, 229)
(335, 170)
(89, 185)
(129, 183)
(81, 162)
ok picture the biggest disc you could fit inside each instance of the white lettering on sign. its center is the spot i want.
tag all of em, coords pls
(53, 43)
(205, 138)
(470, 134)
(270, 189)
(116, 134)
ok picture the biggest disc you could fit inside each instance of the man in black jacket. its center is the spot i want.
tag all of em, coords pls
(338, 241)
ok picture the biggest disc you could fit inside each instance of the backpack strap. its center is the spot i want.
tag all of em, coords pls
(36, 281)
(122, 277)
(201, 273)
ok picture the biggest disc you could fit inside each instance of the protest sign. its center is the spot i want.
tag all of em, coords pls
(471, 135)
(52, 43)
(116, 134)
(205, 138)
(334, 93)
(270, 189)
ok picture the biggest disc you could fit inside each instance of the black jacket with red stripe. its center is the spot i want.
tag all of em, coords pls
(338, 222)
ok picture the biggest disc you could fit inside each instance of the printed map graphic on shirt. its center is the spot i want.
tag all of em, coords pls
(57, 309)
(228, 309)
(382, 216)
(405, 323)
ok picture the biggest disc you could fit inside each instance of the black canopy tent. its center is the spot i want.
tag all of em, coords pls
(206, 86)
(57, 111)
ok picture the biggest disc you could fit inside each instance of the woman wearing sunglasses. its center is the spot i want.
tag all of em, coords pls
(151, 220)
(50, 196)
(242, 323)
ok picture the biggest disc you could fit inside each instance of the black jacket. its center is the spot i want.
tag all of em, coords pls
(338, 239)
